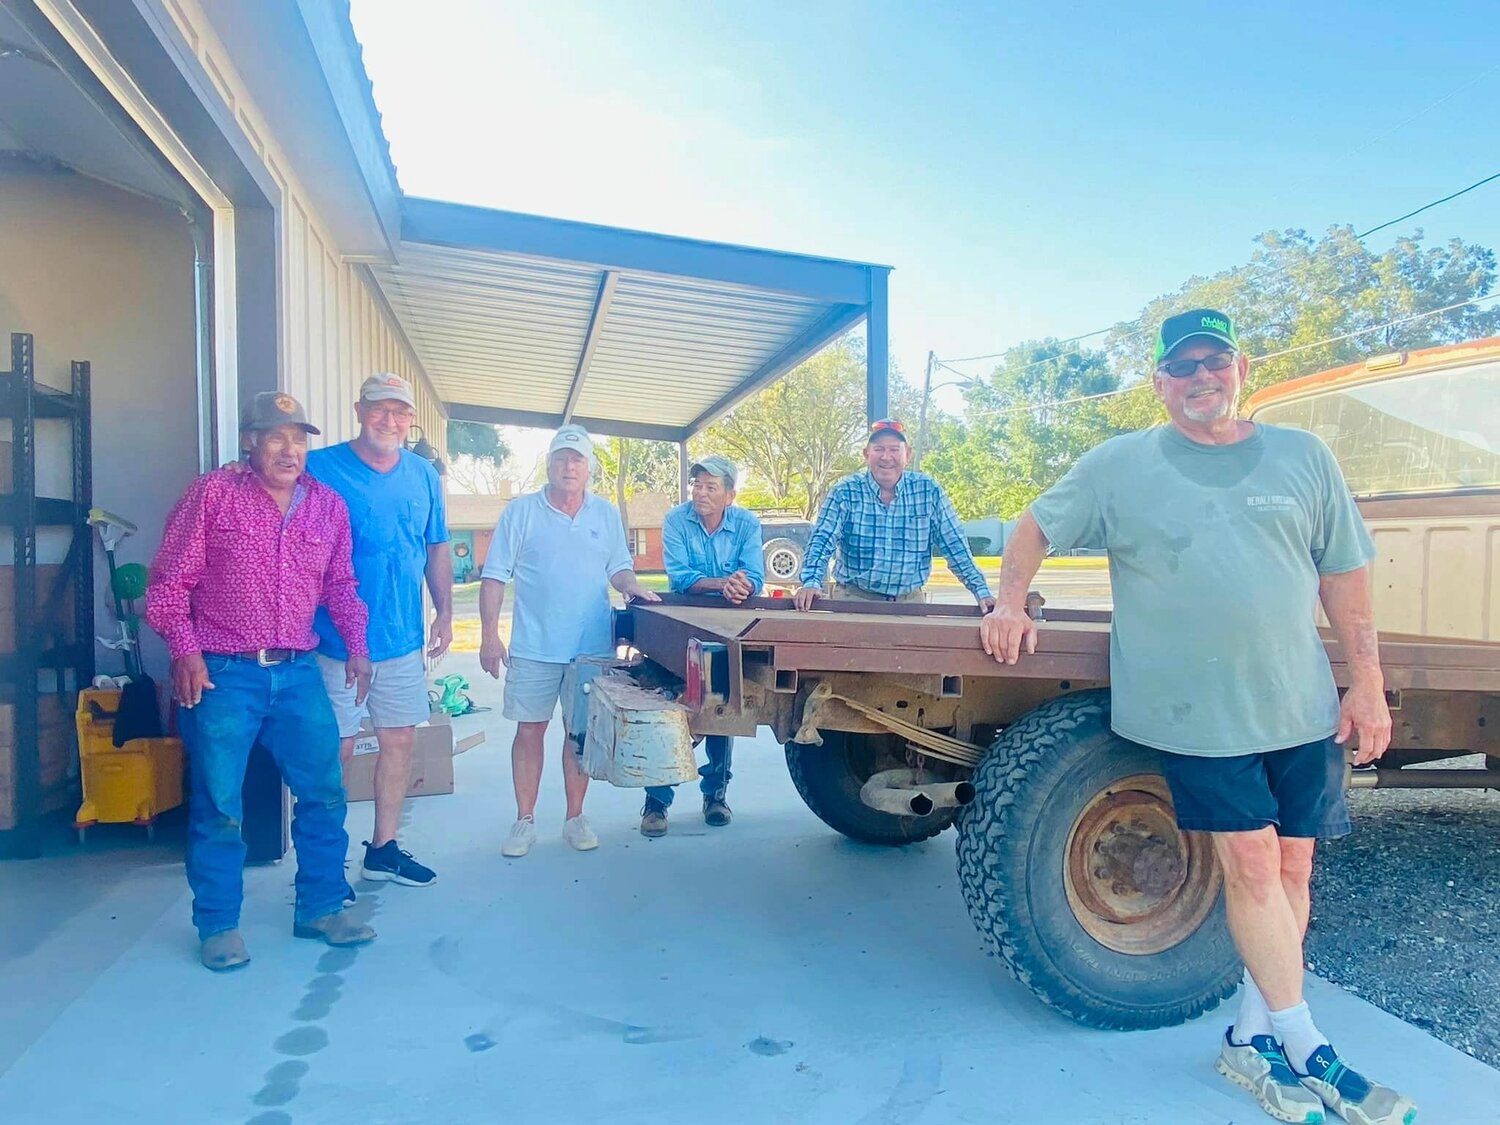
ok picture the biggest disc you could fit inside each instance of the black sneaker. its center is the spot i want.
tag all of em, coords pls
(388, 863)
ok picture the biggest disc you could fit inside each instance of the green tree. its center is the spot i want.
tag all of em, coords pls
(1297, 292)
(628, 466)
(476, 456)
(1304, 304)
(1023, 427)
(798, 436)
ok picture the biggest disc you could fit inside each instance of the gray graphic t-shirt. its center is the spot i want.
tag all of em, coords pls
(1215, 552)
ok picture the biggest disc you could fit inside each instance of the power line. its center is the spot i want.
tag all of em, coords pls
(1254, 359)
(1266, 270)
(1001, 355)
(1430, 206)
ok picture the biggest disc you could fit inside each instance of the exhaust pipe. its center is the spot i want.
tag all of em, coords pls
(900, 793)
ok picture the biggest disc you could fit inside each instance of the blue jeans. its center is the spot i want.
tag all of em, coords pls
(285, 709)
(715, 774)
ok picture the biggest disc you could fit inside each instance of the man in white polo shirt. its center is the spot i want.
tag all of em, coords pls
(562, 547)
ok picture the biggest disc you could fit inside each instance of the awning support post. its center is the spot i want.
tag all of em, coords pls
(877, 349)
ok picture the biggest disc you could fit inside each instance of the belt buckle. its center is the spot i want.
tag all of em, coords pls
(260, 658)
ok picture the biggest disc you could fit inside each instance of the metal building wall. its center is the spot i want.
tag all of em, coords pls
(334, 329)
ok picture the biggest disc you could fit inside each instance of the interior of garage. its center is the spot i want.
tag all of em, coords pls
(98, 267)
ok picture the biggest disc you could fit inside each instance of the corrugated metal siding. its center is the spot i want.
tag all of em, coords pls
(660, 330)
(334, 332)
(506, 330)
(493, 329)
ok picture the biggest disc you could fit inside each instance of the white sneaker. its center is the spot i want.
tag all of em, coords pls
(519, 839)
(578, 833)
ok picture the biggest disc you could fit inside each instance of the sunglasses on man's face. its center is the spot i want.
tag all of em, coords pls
(1185, 368)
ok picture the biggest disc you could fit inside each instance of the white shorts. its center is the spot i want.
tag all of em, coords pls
(532, 688)
(397, 697)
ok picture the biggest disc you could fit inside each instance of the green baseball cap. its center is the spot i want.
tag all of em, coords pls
(719, 466)
(1178, 329)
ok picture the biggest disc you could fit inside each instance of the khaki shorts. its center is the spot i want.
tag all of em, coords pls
(532, 688)
(860, 594)
(397, 696)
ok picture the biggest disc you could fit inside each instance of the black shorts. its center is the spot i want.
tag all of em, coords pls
(1299, 790)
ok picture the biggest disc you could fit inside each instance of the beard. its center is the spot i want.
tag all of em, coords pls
(1224, 407)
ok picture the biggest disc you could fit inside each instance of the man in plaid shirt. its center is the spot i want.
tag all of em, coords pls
(886, 522)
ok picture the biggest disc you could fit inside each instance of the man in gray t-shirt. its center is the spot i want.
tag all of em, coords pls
(1223, 535)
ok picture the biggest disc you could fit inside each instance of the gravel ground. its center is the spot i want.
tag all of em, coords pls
(1406, 911)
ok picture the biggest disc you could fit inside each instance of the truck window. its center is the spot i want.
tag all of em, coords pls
(1429, 431)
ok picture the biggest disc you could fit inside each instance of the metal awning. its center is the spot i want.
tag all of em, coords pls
(531, 321)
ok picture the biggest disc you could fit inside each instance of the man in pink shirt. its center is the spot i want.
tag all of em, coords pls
(245, 561)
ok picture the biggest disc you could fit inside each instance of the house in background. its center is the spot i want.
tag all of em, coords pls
(472, 519)
(471, 526)
(646, 512)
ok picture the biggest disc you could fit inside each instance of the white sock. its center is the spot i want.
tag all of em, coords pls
(1298, 1034)
(1254, 1017)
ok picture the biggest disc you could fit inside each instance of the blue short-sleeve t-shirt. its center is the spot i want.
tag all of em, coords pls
(394, 516)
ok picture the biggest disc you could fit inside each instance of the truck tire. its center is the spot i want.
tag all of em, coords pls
(1074, 871)
(829, 777)
(783, 559)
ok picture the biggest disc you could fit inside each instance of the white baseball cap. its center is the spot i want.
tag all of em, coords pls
(577, 439)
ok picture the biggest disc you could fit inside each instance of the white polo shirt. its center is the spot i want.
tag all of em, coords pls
(559, 571)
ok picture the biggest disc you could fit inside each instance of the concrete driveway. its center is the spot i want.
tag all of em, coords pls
(768, 972)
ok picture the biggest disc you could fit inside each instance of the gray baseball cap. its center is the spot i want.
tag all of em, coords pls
(387, 385)
(270, 409)
(718, 465)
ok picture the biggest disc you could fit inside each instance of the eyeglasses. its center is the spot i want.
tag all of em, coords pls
(887, 424)
(1185, 368)
(396, 413)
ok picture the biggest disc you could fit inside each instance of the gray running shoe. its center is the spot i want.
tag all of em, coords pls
(1262, 1069)
(1353, 1096)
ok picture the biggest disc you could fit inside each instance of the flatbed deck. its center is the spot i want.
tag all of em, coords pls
(944, 640)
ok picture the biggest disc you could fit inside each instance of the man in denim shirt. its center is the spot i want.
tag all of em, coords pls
(710, 547)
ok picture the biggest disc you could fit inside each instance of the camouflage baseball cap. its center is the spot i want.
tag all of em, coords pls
(270, 409)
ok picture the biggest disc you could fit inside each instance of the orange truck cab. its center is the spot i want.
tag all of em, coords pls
(1417, 435)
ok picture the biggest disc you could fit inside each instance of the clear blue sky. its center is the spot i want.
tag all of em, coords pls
(1028, 168)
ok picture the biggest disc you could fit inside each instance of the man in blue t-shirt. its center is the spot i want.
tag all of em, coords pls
(395, 501)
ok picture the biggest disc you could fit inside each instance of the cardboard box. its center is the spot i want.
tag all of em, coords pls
(431, 760)
(55, 748)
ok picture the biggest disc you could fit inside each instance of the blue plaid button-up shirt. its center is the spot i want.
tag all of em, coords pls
(888, 548)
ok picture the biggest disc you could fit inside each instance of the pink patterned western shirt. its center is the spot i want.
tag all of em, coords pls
(236, 575)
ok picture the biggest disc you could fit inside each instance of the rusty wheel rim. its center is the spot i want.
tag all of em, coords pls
(1135, 882)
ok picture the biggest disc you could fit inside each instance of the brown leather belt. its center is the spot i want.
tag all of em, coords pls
(267, 657)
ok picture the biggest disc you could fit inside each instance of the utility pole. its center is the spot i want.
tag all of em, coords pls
(916, 460)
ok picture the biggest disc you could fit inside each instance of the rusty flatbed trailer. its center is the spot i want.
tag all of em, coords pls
(897, 725)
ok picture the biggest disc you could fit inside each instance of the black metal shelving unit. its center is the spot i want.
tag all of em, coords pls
(47, 659)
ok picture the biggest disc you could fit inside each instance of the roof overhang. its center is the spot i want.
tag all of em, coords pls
(532, 321)
(303, 66)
